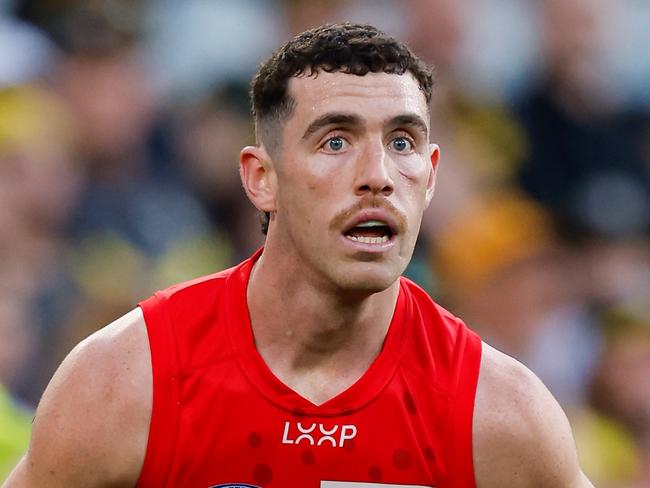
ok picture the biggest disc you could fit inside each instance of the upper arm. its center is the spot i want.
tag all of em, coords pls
(522, 438)
(92, 423)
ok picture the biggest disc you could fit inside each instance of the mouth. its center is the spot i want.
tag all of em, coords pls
(372, 232)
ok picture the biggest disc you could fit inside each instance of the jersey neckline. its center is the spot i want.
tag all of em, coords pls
(375, 379)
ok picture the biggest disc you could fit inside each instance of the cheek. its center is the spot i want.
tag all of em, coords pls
(304, 196)
(417, 166)
(321, 176)
(412, 189)
(414, 177)
(414, 167)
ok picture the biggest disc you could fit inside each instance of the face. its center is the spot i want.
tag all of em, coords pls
(353, 176)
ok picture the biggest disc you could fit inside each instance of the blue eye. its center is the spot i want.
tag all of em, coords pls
(335, 144)
(401, 144)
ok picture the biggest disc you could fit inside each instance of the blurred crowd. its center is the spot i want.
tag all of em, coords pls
(120, 127)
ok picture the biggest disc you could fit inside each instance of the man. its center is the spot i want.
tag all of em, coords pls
(312, 364)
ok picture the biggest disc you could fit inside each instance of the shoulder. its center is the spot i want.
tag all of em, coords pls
(521, 436)
(195, 287)
(92, 423)
(430, 308)
(196, 295)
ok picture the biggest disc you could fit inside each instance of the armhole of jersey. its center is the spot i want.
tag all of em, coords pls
(463, 409)
(162, 429)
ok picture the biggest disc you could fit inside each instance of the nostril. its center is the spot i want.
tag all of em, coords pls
(385, 190)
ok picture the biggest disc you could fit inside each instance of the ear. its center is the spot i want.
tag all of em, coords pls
(258, 177)
(434, 151)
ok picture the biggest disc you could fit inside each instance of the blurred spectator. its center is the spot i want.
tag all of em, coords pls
(25, 53)
(192, 44)
(506, 274)
(435, 30)
(499, 55)
(622, 385)
(214, 129)
(123, 192)
(586, 158)
(305, 14)
(14, 434)
(84, 25)
(39, 184)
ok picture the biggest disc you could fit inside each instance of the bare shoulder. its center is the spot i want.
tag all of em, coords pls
(522, 437)
(92, 423)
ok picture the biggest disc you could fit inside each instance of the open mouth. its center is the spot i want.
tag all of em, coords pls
(370, 232)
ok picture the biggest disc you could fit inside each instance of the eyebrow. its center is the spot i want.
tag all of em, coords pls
(335, 118)
(412, 120)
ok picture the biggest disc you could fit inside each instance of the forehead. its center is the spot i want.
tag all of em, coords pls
(374, 96)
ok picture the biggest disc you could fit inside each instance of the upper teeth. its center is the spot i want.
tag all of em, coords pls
(369, 240)
(371, 223)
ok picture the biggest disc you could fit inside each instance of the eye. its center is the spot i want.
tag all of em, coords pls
(334, 144)
(401, 144)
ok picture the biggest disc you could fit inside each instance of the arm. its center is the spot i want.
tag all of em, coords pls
(92, 423)
(522, 438)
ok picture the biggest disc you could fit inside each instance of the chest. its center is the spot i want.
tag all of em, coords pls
(229, 434)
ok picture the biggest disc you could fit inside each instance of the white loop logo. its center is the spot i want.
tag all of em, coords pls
(305, 433)
(327, 435)
(318, 437)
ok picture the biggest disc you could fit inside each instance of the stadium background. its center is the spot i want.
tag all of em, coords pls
(120, 126)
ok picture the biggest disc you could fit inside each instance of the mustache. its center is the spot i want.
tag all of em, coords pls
(344, 216)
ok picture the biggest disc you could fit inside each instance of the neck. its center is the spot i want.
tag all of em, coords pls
(315, 339)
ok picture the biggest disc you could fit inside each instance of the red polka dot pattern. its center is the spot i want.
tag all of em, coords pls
(307, 457)
(263, 474)
(254, 439)
(402, 459)
(375, 473)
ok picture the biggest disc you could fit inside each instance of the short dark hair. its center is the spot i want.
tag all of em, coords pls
(356, 49)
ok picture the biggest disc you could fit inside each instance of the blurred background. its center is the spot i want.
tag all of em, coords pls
(120, 127)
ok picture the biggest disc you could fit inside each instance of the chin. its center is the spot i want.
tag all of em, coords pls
(363, 279)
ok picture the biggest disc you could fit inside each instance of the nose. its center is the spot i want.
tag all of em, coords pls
(373, 174)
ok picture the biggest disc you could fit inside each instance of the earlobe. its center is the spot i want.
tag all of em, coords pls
(434, 152)
(258, 177)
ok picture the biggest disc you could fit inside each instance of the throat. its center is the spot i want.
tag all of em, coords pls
(320, 365)
(321, 383)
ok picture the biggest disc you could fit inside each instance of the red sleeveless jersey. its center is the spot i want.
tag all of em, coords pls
(221, 418)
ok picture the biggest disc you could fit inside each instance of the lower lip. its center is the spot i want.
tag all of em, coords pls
(370, 248)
